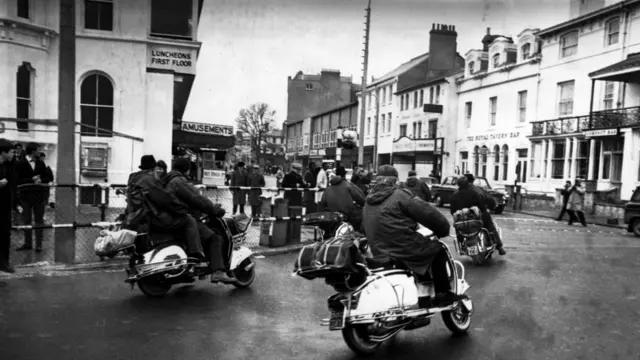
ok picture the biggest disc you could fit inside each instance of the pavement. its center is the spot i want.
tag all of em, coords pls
(553, 214)
(560, 293)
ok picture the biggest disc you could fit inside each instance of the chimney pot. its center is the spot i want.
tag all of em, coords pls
(488, 31)
(433, 26)
(454, 27)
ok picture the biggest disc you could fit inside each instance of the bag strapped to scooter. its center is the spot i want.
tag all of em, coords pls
(336, 256)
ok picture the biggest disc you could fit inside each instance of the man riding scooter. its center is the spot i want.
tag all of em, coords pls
(219, 248)
(487, 203)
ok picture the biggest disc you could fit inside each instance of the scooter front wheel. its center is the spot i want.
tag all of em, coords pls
(244, 274)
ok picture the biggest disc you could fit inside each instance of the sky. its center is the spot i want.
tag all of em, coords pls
(250, 47)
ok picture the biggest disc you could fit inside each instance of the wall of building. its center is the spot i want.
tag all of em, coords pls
(329, 90)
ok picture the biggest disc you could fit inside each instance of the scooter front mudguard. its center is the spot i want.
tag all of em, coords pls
(239, 256)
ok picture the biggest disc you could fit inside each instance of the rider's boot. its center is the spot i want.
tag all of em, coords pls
(501, 251)
(221, 276)
(199, 255)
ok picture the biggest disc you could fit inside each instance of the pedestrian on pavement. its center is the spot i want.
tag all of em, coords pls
(294, 180)
(418, 187)
(8, 202)
(575, 205)
(256, 179)
(239, 177)
(50, 175)
(322, 181)
(566, 192)
(279, 176)
(344, 197)
(32, 172)
(310, 178)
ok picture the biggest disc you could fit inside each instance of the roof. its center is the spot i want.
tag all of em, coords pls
(400, 69)
(440, 78)
(572, 22)
(300, 76)
(618, 70)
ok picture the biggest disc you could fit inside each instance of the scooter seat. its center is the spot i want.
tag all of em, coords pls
(379, 262)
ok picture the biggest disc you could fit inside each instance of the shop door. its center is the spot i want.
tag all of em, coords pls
(521, 165)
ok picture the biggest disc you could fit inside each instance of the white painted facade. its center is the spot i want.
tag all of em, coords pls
(381, 102)
(142, 89)
(601, 41)
(416, 124)
(495, 107)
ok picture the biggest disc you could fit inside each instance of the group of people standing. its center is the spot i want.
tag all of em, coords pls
(18, 169)
(252, 177)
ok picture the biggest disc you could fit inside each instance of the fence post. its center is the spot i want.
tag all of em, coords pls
(279, 237)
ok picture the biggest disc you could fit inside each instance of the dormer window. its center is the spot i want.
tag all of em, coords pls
(569, 44)
(613, 31)
(472, 65)
(496, 61)
(525, 50)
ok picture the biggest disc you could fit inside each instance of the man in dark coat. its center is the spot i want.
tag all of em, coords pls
(310, 179)
(341, 195)
(50, 176)
(391, 218)
(219, 248)
(566, 193)
(8, 202)
(239, 177)
(294, 180)
(256, 179)
(418, 187)
(32, 172)
(489, 203)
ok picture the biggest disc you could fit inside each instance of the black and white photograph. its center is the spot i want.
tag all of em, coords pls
(320, 179)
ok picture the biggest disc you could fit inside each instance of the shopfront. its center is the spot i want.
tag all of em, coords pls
(501, 158)
(206, 145)
(422, 155)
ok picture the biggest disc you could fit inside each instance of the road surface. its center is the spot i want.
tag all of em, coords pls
(561, 293)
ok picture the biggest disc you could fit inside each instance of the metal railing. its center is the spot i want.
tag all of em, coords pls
(602, 119)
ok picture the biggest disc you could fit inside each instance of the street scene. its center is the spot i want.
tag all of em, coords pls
(562, 293)
(391, 179)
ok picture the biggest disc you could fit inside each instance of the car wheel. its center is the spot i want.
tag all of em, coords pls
(636, 227)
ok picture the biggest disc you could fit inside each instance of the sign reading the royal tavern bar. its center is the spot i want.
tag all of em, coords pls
(604, 132)
(207, 129)
(498, 136)
(180, 60)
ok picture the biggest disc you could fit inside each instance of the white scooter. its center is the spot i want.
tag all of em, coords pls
(387, 302)
(166, 264)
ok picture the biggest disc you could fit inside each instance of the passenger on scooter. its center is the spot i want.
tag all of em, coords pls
(219, 247)
(391, 218)
(340, 197)
(151, 208)
(468, 196)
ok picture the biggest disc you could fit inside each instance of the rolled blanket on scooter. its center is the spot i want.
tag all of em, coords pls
(468, 221)
(111, 242)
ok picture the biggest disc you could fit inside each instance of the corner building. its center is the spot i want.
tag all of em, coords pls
(136, 63)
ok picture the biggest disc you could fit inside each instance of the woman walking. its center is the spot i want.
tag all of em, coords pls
(575, 205)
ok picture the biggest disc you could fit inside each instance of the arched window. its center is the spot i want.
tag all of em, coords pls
(96, 106)
(496, 163)
(484, 153)
(472, 67)
(505, 162)
(476, 160)
(525, 51)
(496, 60)
(23, 96)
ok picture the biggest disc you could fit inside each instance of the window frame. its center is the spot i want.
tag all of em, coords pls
(493, 110)
(26, 3)
(522, 106)
(432, 125)
(95, 133)
(573, 48)
(608, 97)
(505, 162)
(495, 60)
(564, 102)
(389, 123)
(525, 54)
(402, 130)
(468, 112)
(192, 23)
(472, 67)
(558, 161)
(113, 17)
(23, 126)
(609, 34)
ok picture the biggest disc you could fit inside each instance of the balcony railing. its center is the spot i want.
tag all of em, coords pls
(561, 126)
(599, 120)
(616, 118)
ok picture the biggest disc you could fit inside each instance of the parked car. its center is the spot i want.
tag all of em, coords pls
(430, 181)
(442, 193)
(632, 213)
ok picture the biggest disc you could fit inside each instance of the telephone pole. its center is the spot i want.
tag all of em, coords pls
(363, 96)
(65, 238)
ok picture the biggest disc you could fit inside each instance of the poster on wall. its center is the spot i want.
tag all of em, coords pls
(213, 177)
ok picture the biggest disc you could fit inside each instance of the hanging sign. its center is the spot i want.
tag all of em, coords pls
(207, 129)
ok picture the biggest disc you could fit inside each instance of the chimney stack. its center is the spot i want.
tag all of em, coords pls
(488, 31)
(443, 47)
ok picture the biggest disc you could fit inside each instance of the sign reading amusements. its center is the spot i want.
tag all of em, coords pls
(207, 129)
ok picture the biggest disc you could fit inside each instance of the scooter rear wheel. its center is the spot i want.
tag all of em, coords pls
(456, 320)
(244, 278)
(152, 287)
(357, 339)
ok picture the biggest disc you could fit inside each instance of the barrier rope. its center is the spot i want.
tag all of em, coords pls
(208, 187)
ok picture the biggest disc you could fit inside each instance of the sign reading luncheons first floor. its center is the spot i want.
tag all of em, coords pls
(207, 129)
(180, 60)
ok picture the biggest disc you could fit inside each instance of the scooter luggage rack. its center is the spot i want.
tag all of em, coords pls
(176, 264)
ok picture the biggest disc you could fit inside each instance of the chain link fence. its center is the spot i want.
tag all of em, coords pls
(100, 205)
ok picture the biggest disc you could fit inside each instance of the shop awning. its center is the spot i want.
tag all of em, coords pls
(199, 141)
(627, 70)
